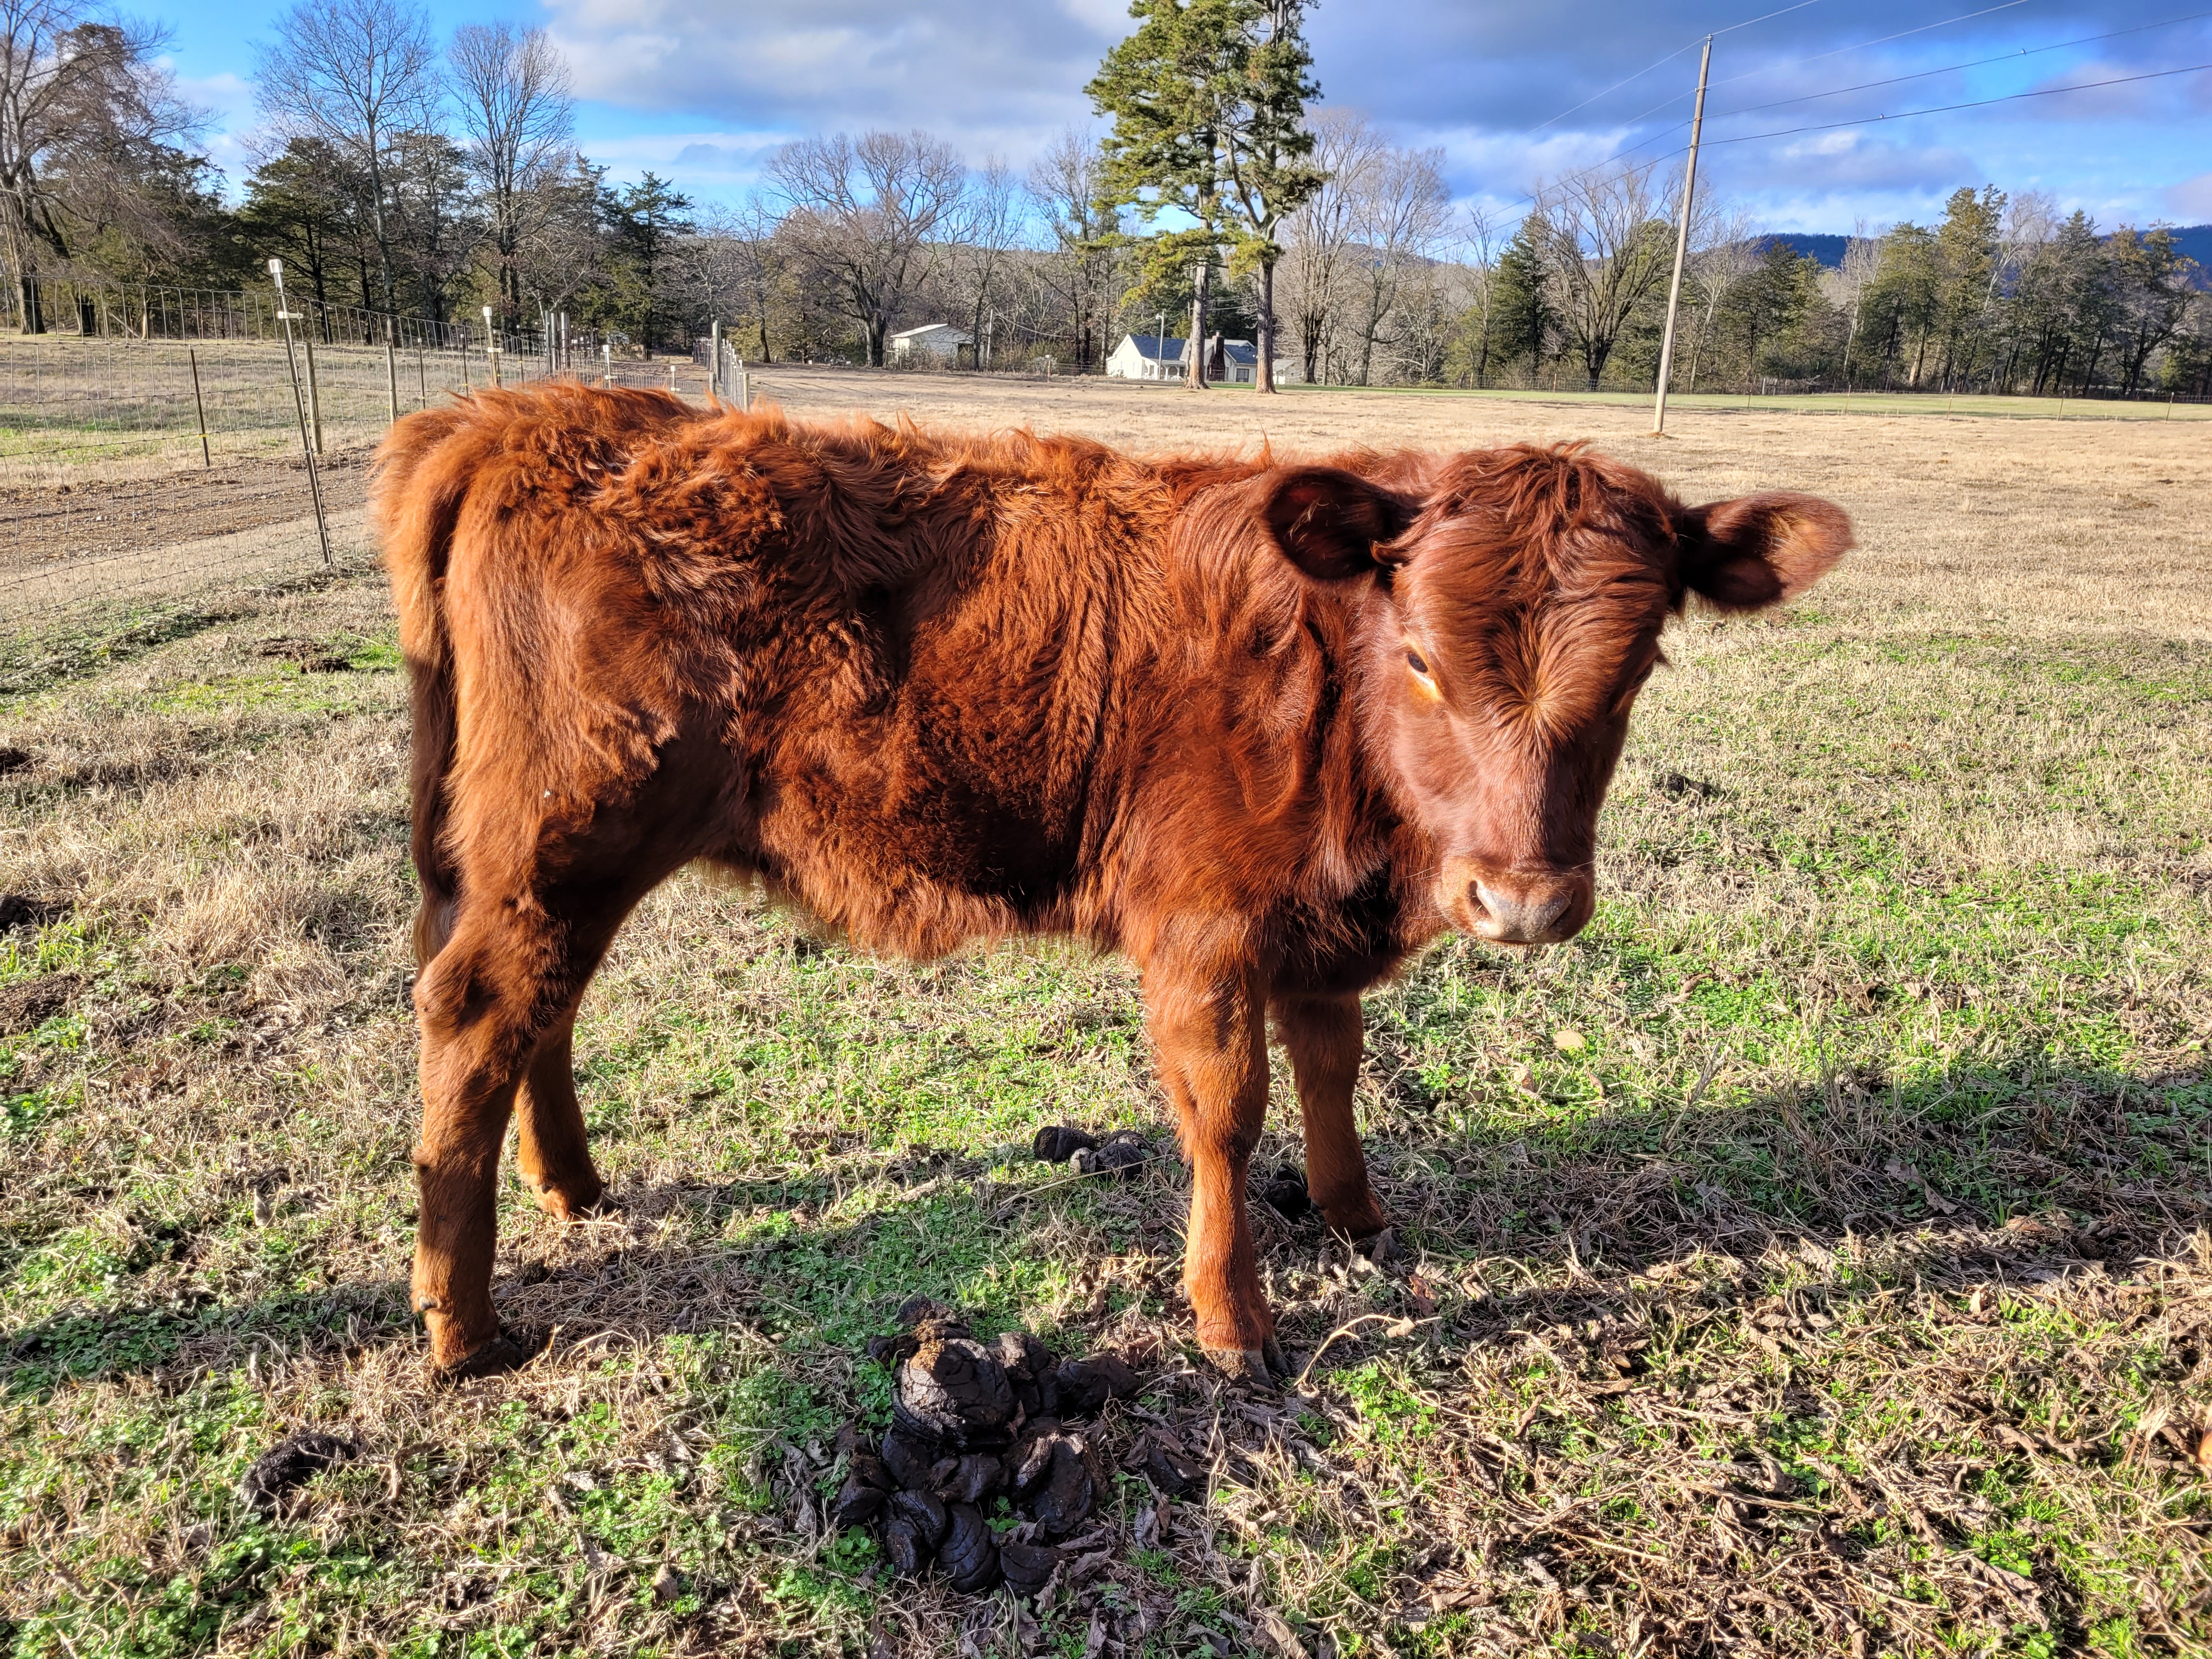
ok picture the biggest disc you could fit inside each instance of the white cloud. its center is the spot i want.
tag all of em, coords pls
(996, 76)
(2192, 198)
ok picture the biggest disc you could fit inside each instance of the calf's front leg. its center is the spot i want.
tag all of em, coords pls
(1322, 1036)
(1208, 1024)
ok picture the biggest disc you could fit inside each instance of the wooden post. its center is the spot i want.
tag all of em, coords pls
(199, 407)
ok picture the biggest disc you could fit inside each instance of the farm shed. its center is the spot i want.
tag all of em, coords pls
(939, 340)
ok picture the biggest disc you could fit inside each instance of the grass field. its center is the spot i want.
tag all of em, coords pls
(1879, 405)
(1812, 1257)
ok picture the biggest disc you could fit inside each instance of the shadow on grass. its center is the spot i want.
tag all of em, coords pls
(1960, 1182)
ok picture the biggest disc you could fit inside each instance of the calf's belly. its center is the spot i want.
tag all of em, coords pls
(916, 866)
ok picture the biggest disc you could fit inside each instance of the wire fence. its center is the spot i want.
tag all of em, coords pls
(141, 468)
(148, 311)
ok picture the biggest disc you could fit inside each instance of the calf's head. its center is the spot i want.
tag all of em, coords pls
(1510, 604)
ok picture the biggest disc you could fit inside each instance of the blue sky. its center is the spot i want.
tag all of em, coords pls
(701, 90)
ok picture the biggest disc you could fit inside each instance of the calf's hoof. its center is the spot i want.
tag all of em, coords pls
(1260, 1364)
(1357, 1222)
(573, 1201)
(502, 1353)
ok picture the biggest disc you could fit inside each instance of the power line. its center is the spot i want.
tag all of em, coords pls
(1978, 103)
(1748, 21)
(1879, 40)
(1767, 68)
(1615, 87)
(1901, 115)
(2002, 57)
(1832, 126)
(1677, 53)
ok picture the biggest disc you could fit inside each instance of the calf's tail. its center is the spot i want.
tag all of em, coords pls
(423, 469)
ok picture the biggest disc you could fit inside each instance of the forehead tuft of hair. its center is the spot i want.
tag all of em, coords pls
(1540, 575)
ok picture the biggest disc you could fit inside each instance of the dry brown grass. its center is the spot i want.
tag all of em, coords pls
(1812, 1259)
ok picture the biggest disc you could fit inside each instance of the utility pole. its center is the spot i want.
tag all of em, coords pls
(1681, 247)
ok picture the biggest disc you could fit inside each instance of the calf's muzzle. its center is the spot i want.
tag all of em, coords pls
(1514, 906)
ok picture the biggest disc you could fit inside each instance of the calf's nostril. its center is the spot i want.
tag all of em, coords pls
(1518, 916)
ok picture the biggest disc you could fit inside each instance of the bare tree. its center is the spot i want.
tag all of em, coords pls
(1610, 247)
(561, 243)
(1063, 185)
(83, 110)
(357, 74)
(1722, 253)
(988, 224)
(519, 117)
(1475, 235)
(745, 267)
(1399, 205)
(1845, 287)
(867, 213)
(1319, 233)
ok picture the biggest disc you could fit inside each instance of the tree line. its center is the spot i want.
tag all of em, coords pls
(399, 174)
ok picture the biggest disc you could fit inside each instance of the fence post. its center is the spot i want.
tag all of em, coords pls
(199, 407)
(390, 372)
(314, 389)
(607, 369)
(300, 409)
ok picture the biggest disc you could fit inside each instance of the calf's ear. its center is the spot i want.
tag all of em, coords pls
(1330, 523)
(1758, 551)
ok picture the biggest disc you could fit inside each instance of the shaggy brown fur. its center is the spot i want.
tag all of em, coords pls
(1266, 728)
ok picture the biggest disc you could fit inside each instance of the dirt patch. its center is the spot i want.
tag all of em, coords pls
(69, 522)
(31, 1002)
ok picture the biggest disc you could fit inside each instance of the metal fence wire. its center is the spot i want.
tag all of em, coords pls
(137, 469)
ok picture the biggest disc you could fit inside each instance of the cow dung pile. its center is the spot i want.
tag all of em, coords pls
(1120, 1155)
(974, 1422)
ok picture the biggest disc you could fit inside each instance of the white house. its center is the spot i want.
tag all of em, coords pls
(939, 340)
(1231, 362)
(1148, 357)
(1236, 362)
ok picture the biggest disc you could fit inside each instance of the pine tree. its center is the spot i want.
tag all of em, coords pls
(1524, 323)
(1208, 99)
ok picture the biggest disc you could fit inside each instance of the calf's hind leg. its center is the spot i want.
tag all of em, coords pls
(550, 1146)
(496, 1006)
(1322, 1036)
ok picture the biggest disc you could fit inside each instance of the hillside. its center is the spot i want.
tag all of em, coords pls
(2194, 241)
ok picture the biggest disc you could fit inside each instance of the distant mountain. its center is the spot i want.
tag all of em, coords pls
(1828, 250)
(2195, 241)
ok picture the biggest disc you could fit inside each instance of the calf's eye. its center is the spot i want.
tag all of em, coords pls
(1415, 662)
